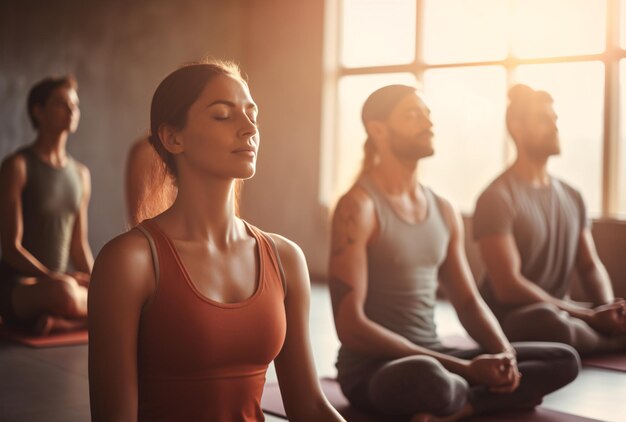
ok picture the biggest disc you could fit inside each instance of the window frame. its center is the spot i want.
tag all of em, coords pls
(610, 58)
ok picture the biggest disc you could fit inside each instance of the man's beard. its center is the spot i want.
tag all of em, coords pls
(411, 148)
(545, 148)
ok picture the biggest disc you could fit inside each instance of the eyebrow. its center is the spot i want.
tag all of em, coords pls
(231, 104)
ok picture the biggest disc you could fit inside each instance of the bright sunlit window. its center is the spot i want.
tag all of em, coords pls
(464, 56)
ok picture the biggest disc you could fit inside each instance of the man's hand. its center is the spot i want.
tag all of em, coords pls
(499, 372)
(610, 319)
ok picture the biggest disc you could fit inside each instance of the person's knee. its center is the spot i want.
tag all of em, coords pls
(417, 384)
(566, 363)
(541, 322)
(64, 298)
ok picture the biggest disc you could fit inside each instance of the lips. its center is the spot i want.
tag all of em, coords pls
(427, 134)
(245, 151)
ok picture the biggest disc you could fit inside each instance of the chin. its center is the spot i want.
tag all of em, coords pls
(425, 152)
(246, 174)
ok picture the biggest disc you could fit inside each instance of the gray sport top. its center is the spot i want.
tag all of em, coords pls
(545, 222)
(403, 265)
(50, 202)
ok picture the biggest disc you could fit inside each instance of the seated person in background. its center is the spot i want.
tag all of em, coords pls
(187, 310)
(533, 233)
(43, 217)
(393, 242)
(147, 183)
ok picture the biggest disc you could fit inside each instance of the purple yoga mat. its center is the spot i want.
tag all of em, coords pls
(615, 362)
(272, 403)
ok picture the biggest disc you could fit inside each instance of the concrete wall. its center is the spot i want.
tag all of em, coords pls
(118, 51)
(282, 53)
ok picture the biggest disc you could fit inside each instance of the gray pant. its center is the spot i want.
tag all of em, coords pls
(420, 384)
(546, 322)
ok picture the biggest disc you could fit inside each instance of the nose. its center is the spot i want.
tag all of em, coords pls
(73, 109)
(428, 122)
(249, 128)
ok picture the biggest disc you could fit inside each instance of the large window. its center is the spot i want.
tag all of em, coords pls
(464, 55)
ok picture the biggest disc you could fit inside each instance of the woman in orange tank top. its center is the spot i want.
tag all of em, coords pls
(187, 310)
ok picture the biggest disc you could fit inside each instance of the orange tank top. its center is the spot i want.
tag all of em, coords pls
(202, 360)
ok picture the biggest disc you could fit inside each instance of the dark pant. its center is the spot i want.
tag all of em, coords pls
(546, 322)
(420, 384)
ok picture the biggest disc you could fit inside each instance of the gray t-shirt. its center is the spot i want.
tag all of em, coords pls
(545, 222)
(402, 278)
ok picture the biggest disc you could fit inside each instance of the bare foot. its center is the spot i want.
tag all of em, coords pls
(49, 324)
(43, 325)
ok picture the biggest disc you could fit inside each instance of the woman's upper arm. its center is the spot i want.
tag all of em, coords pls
(121, 283)
(295, 366)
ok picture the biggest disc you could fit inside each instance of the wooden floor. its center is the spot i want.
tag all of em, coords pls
(51, 384)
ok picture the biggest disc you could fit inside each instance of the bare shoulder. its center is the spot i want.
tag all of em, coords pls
(13, 166)
(289, 251)
(84, 172)
(354, 221)
(355, 202)
(125, 260)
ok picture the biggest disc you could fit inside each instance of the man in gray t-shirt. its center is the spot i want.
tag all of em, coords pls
(394, 242)
(533, 233)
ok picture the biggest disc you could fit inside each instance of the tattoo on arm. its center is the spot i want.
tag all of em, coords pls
(339, 289)
(344, 226)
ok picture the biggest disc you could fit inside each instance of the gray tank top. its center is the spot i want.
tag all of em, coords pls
(403, 266)
(50, 203)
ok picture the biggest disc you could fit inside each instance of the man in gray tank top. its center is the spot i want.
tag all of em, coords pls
(533, 233)
(394, 242)
(43, 217)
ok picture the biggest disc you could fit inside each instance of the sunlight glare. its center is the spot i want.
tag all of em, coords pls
(377, 32)
(544, 28)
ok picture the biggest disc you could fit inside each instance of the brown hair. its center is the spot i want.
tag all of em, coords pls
(42, 90)
(521, 100)
(378, 106)
(170, 105)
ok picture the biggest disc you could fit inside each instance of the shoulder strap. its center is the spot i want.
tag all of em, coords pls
(279, 264)
(155, 256)
(272, 252)
(435, 204)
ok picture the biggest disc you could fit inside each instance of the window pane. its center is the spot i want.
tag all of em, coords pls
(578, 92)
(467, 108)
(544, 28)
(353, 91)
(622, 23)
(377, 32)
(621, 185)
(462, 31)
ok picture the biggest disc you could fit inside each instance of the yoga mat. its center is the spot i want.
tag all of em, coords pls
(51, 340)
(615, 362)
(272, 403)
(539, 414)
